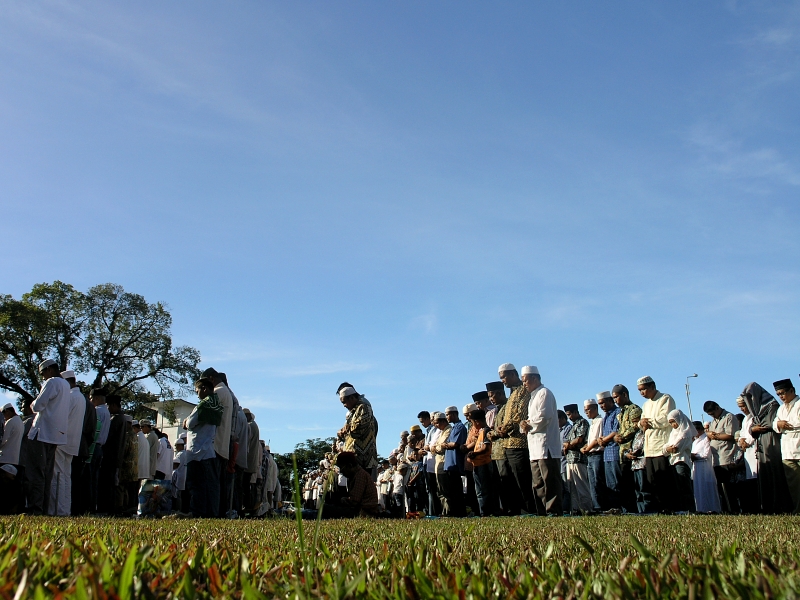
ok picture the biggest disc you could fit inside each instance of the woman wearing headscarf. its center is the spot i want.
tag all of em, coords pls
(704, 482)
(679, 451)
(772, 489)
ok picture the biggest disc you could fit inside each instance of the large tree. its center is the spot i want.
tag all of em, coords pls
(116, 338)
(308, 455)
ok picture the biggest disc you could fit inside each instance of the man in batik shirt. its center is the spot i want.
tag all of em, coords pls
(514, 441)
(358, 434)
(629, 416)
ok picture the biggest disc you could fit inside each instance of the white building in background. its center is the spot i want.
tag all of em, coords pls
(172, 429)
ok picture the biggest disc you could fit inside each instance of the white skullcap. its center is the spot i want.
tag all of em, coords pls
(347, 391)
(47, 363)
(135, 422)
(506, 367)
(644, 380)
(68, 374)
(468, 408)
(589, 402)
(437, 416)
(8, 405)
(180, 440)
(144, 422)
(183, 435)
(530, 371)
(450, 409)
(603, 395)
(11, 469)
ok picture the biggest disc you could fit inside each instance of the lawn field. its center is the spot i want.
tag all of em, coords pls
(589, 557)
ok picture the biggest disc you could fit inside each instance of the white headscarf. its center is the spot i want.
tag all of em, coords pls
(684, 432)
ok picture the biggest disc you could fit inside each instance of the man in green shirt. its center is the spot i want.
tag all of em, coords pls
(629, 416)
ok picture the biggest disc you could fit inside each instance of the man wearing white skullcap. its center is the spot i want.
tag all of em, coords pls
(360, 430)
(611, 465)
(143, 453)
(512, 439)
(544, 443)
(594, 453)
(61, 490)
(12, 436)
(48, 431)
(655, 424)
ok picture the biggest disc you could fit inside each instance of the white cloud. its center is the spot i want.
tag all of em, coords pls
(427, 323)
(731, 158)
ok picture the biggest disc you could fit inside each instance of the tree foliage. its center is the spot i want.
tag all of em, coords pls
(308, 455)
(115, 337)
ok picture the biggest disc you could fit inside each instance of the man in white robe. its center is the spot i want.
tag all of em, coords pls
(655, 424)
(61, 490)
(48, 431)
(544, 442)
(143, 459)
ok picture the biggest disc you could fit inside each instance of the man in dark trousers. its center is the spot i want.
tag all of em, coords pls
(113, 457)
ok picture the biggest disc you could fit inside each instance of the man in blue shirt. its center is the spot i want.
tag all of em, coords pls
(454, 466)
(613, 469)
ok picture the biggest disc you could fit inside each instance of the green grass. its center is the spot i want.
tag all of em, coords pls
(590, 557)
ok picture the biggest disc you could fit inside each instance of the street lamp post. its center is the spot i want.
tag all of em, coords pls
(688, 401)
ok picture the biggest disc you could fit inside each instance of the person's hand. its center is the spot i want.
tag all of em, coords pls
(525, 426)
(471, 455)
(618, 438)
(565, 447)
(711, 435)
(785, 426)
(670, 449)
(644, 424)
(584, 450)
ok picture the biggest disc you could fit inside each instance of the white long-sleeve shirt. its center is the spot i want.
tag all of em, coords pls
(12, 440)
(52, 412)
(165, 456)
(143, 464)
(656, 412)
(790, 440)
(77, 409)
(105, 423)
(222, 437)
(545, 434)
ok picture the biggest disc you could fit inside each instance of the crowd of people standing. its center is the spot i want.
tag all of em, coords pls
(518, 453)
(73, 454)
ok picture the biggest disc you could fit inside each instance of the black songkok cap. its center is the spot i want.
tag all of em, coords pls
(571, 408)
(478, 396)
(209, 372)
(494, 386)
(783, 384)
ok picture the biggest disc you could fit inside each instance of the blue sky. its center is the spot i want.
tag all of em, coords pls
(406, 195)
